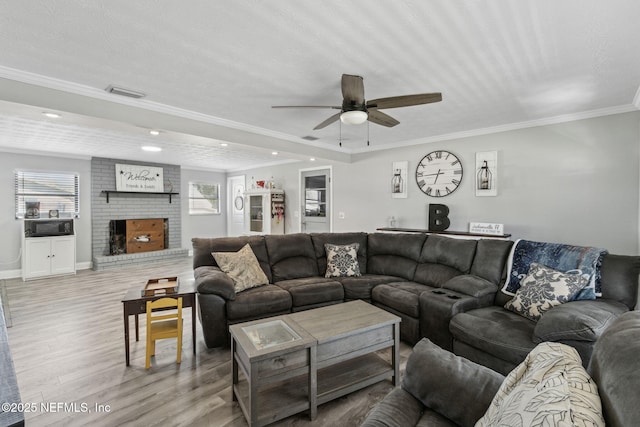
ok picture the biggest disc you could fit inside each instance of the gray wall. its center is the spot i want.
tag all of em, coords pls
(575, 182)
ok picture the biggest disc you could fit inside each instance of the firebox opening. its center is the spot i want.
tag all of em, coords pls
(128, 236)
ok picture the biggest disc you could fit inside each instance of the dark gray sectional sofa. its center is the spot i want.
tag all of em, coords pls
(444, 289)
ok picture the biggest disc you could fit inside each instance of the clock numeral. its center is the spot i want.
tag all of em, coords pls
(447, 189)
(458, 172)
(429, 191)
(438, 154)
(437, 192)
(429, 158)
(456, 162)
(419, 174)
(421, 183)
(455, 182)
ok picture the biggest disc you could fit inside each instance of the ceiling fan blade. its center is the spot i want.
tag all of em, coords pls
(380, 118)
(352, 89)
(404, 100)
(327, 122)
(307, 106)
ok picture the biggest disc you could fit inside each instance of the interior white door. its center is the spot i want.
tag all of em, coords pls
(316, 201)
(235, 205)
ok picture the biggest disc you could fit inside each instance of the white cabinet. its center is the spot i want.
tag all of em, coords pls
(264, 211)
(48, 256)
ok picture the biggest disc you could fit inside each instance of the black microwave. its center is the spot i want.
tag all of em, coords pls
(48, 227)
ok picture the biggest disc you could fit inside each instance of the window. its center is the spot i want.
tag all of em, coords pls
(204, 199)
(41, 192)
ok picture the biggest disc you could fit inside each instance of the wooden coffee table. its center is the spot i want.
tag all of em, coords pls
(294, 362)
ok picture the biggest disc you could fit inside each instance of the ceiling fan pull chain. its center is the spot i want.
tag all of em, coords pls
(368, 133)
(340, 140)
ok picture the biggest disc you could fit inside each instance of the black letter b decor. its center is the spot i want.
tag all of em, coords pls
(438, 220)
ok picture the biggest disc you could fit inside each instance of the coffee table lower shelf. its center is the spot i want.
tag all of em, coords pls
(281, 400)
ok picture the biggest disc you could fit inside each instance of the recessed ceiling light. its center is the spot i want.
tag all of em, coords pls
(312, 159)
(154, 132)
(224, 144)
(51, 115)
(151, 148)
(275, 153)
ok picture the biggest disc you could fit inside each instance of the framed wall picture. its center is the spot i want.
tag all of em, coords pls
(487, 173)
(399, 180)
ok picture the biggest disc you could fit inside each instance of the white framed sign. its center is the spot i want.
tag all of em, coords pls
(486, 228)
(147, 179)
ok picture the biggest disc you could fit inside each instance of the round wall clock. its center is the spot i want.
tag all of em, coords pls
(439, 173)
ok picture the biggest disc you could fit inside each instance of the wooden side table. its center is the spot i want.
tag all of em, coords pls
(278, 359)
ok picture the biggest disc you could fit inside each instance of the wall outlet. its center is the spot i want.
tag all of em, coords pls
(341, 215)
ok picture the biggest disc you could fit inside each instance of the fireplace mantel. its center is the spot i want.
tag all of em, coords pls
(108, 192)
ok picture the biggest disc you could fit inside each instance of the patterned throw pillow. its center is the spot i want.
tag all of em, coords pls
(549, 388)
(342, 260)
(243, 267)
(542, 289)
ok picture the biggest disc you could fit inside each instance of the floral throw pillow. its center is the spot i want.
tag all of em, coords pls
(342, 260)
(544, 288)
(549, 388)
(243, 267)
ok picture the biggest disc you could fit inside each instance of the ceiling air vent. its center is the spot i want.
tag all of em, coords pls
(310, 138)
(124, 92)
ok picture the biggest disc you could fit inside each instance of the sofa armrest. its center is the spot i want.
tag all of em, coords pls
(212, 280)
(471, 285)
(451, 385)
(398, 409)
(577, 320)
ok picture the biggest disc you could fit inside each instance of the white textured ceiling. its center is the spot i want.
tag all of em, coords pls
(219, 66)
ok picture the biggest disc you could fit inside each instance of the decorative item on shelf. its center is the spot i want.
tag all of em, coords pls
(438, 217)
(32, 209)
(486, 228)
(486, 173)
(392, 222)
(399, 180)
(54, 213)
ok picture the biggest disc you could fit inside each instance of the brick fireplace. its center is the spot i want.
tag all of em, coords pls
(133, 207)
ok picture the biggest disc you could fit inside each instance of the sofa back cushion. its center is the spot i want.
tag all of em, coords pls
(204, 247)
(615, 367)
(443, 258)
(490, 260)
(291, 256)
(619, 278)
(319, 240)
(394, 254)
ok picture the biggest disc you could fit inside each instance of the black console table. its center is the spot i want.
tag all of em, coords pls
(462, 234)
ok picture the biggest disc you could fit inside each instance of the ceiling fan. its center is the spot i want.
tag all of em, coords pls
(355, 110)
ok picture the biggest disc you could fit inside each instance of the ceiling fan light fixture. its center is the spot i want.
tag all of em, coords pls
(355, 117)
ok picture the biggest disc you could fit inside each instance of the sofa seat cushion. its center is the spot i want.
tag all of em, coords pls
(401, 296)
(494, 330)
(312, 290)
(361, 287)
(257, 302)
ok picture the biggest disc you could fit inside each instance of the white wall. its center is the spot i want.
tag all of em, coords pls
(574, 182)
(10, 262)
(202, 225)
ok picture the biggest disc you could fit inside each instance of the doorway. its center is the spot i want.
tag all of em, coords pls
(235, 205)
(316, 200)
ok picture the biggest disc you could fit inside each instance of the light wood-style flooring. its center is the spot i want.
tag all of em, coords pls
(67, 342)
